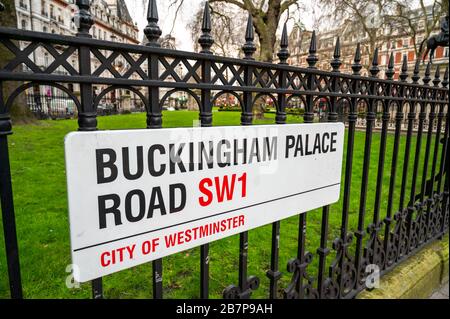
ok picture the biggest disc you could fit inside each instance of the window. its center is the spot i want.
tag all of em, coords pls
(23, 24)
(52, 12)
(44, 29)
(43, 9)
(446, 52)
(22, 4)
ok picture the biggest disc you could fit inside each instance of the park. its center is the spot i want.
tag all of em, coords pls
(224, 149)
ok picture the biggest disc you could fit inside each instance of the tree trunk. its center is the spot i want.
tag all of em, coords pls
(19, 110)
(265, 27)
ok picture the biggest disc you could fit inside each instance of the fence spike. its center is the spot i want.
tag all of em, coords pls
(283, 54)
(445, 81)
(83, 18)
(206, 40)
(374, 69)
(427, 77)
(312, 57)
(356, 66)
(336, 62)
(416, 76)
(249, 47)
(152, 30)
(404, 73)
(437, 76)
(390, 72)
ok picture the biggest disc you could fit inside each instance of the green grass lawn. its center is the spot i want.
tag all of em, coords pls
(37, 164)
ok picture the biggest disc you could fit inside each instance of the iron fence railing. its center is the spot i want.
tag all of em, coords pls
(420, 215)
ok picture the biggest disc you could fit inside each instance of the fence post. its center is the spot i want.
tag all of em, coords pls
(360, 259)
(206, 41)
(7, 203)
(444, 165)
(273, 273)
(297, 288)
(344, 266)
(323, 250)
(154, 113)
(432, 201)
(87, 117)
(246, 284)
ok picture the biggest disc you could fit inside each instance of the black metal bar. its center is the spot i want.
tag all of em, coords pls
(97, 288)
(424, 207)
(274, 274)
(444, 163)
(154, 116)
(411, 117)
(409, 210)
(332, 116)
(370, 118)
(87, 116)
(341, 244)
(7, 204)
(432, 211)
(246, 284)
(157, 270)
(206, 41)
(412, 206)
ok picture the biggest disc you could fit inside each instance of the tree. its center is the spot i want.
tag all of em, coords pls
(379, 19)
(19, 111)
(369, 16)
(266, 15)
(266, 19)
(228, 28)
(408, 20)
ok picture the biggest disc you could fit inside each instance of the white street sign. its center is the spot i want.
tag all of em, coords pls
(139, 195)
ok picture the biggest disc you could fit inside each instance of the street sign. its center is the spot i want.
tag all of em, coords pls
(139, 195)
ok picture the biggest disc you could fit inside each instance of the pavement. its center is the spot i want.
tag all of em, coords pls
(441, 293)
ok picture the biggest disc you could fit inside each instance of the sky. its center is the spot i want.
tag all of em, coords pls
(184, 41)
(183, 37)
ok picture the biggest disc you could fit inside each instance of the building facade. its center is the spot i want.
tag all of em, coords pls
(112, 22)
(392, 39)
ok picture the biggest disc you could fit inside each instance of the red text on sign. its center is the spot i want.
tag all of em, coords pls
(118, 255)
(223, 189)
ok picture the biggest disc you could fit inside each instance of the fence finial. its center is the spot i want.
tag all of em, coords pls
(356, 66)
(312, 57)
(427, 77)
(283, 54)
(249, 47)
(83, 19)
(390, 72)
(404, 73)
(445, 81)
(416, 76)
(437, 76)
(152, 30)
(374, 69)
(206, 40)
(336, 62)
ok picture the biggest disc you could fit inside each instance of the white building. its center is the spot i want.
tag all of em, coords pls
(112, 22)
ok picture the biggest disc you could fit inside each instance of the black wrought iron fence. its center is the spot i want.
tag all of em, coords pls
(419, 215)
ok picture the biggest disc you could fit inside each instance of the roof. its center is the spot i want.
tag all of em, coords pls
(122, 11)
